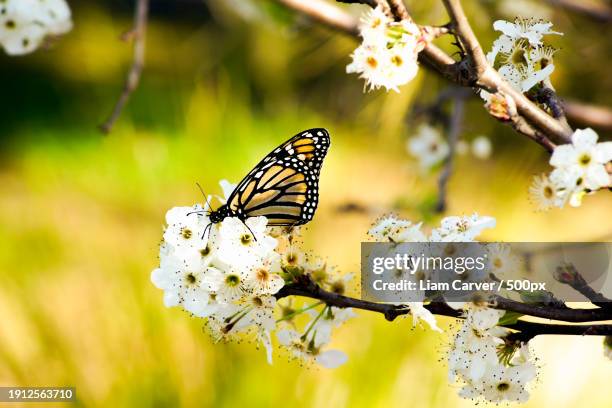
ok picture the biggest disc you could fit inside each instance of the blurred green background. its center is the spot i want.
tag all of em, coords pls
(81, 214)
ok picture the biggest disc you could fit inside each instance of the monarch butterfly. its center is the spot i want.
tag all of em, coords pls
(284, 186)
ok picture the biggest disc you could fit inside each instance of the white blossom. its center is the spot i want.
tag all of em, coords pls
(391, 228)
(24, 24)
(529, 29)
(387, 57)
(481, 147)
(582, 163)
(305, 349)
(461, 228)
(244, 244)
(545, 194)
(428, 147)
(182, 282)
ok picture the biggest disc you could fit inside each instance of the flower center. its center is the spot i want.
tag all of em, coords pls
(549, 192)
(232, 280)
(257, 301)
(205, 251)
(186, 233)
(10, 24)
(584, 160)
(292, 258)
(433, 147)
(498, 263)
(518, 57)
(371, 61)
(190, 278)
(397, 60)
(503, 386)
(246, 239)
(262, 275)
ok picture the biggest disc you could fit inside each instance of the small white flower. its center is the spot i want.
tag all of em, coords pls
(182, 283)
(228, 284)
(244, 244)
(419, 312)
(582, 163)
(428, 146)
(24, 24)
(374, 24)
(186, 228)
(391, 228)
(263, 278)
(508, 383)
(501, 261)
(481, 147)
(322, 326)
(529, 29)
(545, 194)
(258, 310)
(461, 229)
(306, 350)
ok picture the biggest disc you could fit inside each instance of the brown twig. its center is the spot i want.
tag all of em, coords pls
(454, 130)
(138, 36)
(398, 8)
(588, 115)
(569, 275)
(596, 10)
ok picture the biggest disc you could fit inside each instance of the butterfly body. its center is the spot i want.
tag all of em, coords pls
(284, 186)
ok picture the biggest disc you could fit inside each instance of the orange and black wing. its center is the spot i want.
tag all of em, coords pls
(284, 186)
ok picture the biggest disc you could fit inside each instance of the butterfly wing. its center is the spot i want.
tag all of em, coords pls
(284, 186)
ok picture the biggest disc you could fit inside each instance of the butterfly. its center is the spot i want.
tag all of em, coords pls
(283, 186)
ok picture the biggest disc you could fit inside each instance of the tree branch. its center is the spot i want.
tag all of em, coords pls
(138, 35)
(569, 275)
(484, 76)
(596, 10)
(444, 64)
(305, 287)
(588, 115)
(454, 130)
(554, 313)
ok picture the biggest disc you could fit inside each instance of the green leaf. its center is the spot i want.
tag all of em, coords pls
(509, 318)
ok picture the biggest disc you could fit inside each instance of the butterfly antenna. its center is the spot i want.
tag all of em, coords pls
(250, 230)
(204, 195)
(206, 229)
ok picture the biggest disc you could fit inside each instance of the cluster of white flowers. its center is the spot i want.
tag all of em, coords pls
(387, 57)
(229, 273)
(430, 148)
(522, 59)
(24, 24)
(479, 358)
(452, 229)
(483, 364)
(579, 169)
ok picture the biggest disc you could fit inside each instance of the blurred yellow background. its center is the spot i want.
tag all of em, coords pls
(81, 214)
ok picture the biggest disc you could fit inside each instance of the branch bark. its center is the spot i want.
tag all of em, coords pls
(305, 287)
(588, 115)
(138, 35)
